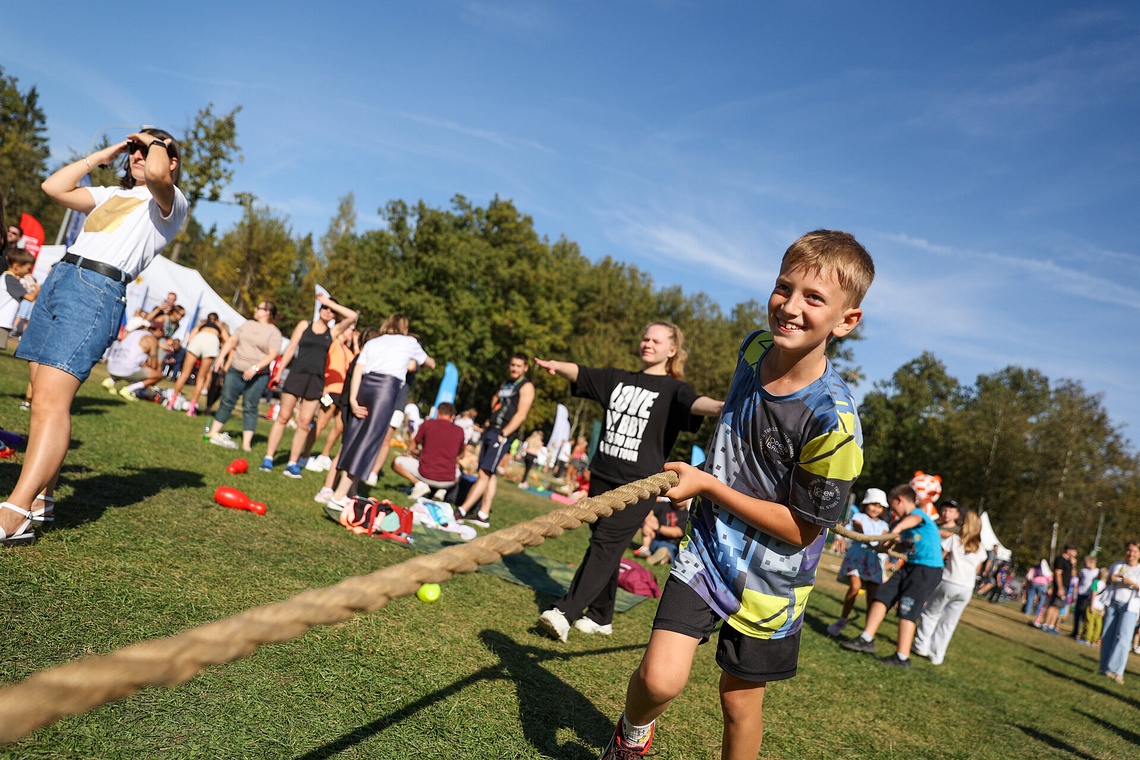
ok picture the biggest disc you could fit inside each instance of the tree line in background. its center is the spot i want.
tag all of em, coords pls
(1043, 458)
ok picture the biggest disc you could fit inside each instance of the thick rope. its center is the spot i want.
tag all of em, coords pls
(82, 685)
(863, 538)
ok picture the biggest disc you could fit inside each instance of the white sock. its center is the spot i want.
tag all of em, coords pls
(634, 734)
(901, 656)
(865, 637)
(133, 387)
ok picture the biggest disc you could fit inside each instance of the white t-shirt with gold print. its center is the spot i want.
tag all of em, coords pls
(126, 229)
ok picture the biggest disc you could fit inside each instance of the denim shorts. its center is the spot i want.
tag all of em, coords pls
(76, 317)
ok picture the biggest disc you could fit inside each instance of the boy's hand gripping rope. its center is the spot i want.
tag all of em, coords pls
(82, 685)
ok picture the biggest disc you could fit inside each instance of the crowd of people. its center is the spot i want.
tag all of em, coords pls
(944, 565)
(743, 533)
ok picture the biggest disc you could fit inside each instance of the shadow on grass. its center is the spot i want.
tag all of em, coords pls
(1053, 742)
(1022, 643)
(546, 703)
(85, 405)
(1131, 737)
(1133, 703)
(96, 494)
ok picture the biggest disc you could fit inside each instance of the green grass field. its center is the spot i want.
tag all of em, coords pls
(140, 551)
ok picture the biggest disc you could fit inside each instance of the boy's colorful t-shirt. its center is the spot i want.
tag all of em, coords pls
(922, 543)
(803, 450)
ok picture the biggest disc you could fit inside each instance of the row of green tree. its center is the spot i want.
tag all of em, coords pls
(479, 283)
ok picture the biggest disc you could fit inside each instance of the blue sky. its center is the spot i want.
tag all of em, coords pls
(985, 153)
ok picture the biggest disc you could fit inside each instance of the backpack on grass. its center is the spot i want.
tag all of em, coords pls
(382, 519)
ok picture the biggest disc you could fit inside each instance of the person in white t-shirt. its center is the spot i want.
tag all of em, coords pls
(378, 374)
(80, 306)
(1121, 613)
(963, 555)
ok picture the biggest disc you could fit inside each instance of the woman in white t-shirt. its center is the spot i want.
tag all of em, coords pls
(378, 373)
(1120, 613)
(80, 307)
(962, 555)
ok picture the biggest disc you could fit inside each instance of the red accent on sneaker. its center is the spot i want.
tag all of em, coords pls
(618, 749)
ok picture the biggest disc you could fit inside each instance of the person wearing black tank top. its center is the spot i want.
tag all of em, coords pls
(308, 351)
(509, 408)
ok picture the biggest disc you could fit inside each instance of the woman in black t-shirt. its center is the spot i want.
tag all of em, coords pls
(644, 413)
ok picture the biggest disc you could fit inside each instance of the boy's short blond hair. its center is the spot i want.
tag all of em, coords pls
(833, 251)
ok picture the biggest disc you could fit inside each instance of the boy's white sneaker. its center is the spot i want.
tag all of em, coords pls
(419, 490)
(585, 625)
(554, 624)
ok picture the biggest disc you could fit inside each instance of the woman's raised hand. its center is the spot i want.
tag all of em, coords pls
(105, 156)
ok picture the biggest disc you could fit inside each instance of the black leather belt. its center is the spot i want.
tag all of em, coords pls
(97, 266)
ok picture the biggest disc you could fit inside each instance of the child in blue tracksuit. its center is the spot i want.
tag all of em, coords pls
(912, 585)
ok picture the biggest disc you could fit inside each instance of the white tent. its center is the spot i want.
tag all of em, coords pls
(989, 538)
(162, 276)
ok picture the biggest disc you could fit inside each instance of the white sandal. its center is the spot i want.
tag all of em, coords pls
(24, 535)
(46, 513)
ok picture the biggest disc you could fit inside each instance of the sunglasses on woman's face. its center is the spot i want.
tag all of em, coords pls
(133, 147)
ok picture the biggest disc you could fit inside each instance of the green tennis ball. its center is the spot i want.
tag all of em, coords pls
(428, 592)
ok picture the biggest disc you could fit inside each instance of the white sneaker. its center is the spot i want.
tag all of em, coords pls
(439, 495)
(585, 625)
(323, 496)
(325, 462)
(554, 624)
(480, 519)
(836, 628)
(223, 440)
(419, 490)
(371, 479)
(314, 465)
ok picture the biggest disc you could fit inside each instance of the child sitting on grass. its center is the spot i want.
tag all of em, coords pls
(785, 451)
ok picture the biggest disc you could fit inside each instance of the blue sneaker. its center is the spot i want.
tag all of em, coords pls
(267, 464)
(293, 471)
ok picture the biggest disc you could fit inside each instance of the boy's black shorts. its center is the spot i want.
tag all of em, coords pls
(911, 587)
(683, 611)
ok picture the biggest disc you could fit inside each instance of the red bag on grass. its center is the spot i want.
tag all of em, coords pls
(637, 580)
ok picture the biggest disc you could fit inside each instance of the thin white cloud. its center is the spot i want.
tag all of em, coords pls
(503, 141)
(1068, 280)
(514, 17)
